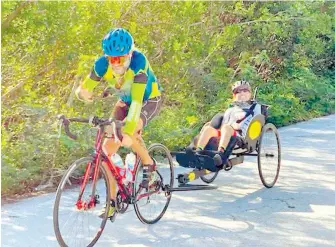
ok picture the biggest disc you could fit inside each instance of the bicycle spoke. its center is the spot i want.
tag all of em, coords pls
(269, 155)
(151, 205)
(79, 224)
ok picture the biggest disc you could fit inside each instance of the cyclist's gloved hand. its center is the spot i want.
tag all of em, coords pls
(116, 130)
(84, 95)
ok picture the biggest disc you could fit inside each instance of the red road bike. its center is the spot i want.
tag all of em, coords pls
(85, 189)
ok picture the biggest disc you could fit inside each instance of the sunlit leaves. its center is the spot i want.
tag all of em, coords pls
(197, 49)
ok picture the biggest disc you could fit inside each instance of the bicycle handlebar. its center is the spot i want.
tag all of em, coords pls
(95, 121)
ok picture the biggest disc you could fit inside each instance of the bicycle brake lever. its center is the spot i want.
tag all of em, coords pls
(91, 120)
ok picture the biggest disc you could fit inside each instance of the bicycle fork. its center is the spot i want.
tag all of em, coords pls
(94, 199)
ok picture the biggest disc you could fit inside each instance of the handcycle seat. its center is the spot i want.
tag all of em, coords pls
(247, 143)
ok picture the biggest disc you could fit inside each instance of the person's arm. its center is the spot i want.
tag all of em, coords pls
(227, 118)
(230, 119)
(137, 94)
(86, 87)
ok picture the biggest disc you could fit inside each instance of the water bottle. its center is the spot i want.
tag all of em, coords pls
(130, 164)
(118, 162)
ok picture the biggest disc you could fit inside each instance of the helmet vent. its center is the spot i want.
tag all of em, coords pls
(117, 42)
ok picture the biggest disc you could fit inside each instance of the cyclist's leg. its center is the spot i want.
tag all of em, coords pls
(226, 133)
(210, 130)
(138, 147)
(110, 146)
(195, 141)
(205, 135)
(150, 109)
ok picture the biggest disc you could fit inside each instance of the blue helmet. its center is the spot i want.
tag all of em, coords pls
(117, 42)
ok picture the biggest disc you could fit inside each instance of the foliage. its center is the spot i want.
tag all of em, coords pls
(197, 49)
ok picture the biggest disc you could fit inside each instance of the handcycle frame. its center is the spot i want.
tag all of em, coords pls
(203, 161)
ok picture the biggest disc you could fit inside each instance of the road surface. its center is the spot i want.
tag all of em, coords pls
(298, 211)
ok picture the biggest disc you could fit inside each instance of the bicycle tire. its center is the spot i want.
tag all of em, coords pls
(264, 155)
(208, 178)
(66, 179)
(138, 179)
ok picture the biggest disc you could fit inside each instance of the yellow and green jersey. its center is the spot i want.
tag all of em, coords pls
(138, 84)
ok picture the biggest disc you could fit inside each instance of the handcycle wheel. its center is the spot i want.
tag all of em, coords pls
(151, 205)
(76, 222)
(269, 155)
(213, 144)
(210, 177)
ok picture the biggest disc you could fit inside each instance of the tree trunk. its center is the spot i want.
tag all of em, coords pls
(5, 24)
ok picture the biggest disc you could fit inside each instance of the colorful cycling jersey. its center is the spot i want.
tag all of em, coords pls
(138, 84)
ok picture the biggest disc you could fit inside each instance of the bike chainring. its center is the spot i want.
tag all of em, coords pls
(121, 204)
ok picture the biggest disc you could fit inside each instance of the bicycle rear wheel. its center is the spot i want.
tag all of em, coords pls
(79, 202)
(269, 155)
(151, 205)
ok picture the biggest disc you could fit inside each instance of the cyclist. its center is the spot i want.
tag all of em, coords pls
(128, 71)
(227, 125)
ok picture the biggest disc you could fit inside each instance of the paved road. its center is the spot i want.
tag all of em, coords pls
(298, 211)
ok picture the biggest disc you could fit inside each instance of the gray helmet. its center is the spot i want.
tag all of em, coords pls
(243, 83)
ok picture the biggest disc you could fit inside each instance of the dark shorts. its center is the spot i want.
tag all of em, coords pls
(150, 109)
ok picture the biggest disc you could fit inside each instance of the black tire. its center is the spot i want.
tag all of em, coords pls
(208, 178)
(70, 185)
(213, 144)
(164, 177)
(269, 155)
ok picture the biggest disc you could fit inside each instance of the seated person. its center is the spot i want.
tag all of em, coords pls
(230, 124)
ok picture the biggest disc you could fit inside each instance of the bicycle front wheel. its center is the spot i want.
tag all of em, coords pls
(79, 202)
(150, 205)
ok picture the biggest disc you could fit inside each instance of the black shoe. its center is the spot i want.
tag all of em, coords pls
(220, 159)
(147, 175)
(189, 150)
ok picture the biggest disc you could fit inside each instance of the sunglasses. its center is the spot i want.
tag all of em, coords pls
(120, 60)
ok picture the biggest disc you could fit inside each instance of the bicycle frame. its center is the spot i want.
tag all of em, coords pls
(126, 192)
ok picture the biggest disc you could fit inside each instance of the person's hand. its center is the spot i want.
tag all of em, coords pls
(120, 103)
(127, 141)
(84, 94)
(236, 126)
